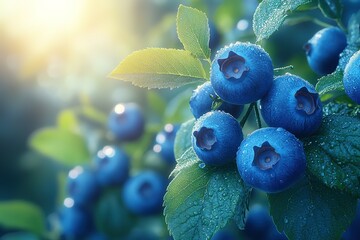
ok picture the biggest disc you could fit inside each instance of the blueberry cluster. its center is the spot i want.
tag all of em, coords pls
(271, 158)
(104, 198)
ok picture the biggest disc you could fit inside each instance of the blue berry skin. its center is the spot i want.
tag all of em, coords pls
(260, 225)
(201, 102)
(82, 186)
(75, 222)
(224, 235)
(216, 137)
(351, 78)
(241, 73)
(112, 166)
(143, 194)
(126, 122)
(271, 159)
(292, 103)
(164, 143)
(324, 48)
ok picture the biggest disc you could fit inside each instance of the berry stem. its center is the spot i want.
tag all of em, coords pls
(341, 25)
(257, 114)
(247, 114)
(280, 69)
(296, 20)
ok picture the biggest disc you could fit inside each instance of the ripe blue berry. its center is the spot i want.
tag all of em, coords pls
(216, 137)
(271, 159)
(224, 235)
(75, 222)
(241, 73)
(324, 48)
(292, 103)
(126, 122)
(82, 186)
(260, 225)
(143, 194)
(112, 166)
(201, 102)
(164, 143)
(351, 78)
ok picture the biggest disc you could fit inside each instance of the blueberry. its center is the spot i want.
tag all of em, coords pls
(82, 186)
(260, 225)
(324, 48)
(143, 194)
(216, 137)
(224, 235)
(164, 143)
(202, 99)
(112, 166)
(126, 122)
(271, 159)
(75, 222)
(292, 103)
(241, 73)
(351, 78)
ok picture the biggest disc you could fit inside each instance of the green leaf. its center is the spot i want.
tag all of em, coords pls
(62, 145)
(156, 103)
(333, 154)
(20, 236)
(183, 138)
(67, 120)
(200, 201)
(341, 109)
(160, 68)
(193, 31)
(21, 215)
(112, 217)
(330, 86)
(331, 8)
(178, 110)
(312, 211)
(354, 30)
(93, 114)
(270, 14)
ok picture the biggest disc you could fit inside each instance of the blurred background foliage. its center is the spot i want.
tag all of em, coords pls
(54, 60)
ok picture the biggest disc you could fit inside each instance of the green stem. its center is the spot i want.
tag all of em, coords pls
(296, 20)
(277, 70)
(341, 25)
(257, 114)
(247, 114)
